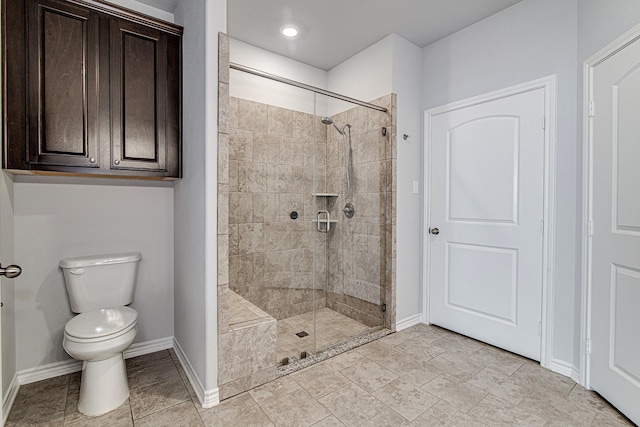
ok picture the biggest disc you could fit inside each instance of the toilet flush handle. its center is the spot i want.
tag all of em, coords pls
(77, 271)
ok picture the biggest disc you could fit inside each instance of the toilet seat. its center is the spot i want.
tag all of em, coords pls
(101, 325)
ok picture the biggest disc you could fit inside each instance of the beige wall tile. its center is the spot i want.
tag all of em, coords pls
(252, 116)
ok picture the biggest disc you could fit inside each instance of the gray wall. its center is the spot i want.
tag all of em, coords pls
(189, 192)
(7, 288)
(600, 22)
(196, 194)
(67, 218)
(530, 40)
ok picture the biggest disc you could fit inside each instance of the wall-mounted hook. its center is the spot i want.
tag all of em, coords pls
(405, 136)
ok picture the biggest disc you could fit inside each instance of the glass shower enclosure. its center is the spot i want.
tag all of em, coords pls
(309, 207)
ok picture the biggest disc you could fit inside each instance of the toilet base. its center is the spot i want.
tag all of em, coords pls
(104, 386)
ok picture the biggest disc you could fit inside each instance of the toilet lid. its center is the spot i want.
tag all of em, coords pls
(101, 323)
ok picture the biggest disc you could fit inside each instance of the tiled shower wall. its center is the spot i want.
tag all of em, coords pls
(271, 160)
(271, 165)
(358, 246)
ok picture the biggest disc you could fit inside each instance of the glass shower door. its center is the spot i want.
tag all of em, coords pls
(350, 199)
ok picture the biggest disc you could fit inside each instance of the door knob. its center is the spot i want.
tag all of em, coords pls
(10, 272)
(434, 231)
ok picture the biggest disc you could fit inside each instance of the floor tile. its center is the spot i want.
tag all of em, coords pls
(387, 418)
(420, 348)
(369, 375)
(240, 410)
(120, 417)
(329, 421)
(467, 384)
(498, 360)
(182, 414)
(557, 410)
(603, 421)
(406, 398)
(592, 401)
(319, 380)
(158, 396)
(542, 382)
(414, 369)
(274, 389)
(461, 395)
(53, 420)
(296, 409)
(458, 344)
(352, 405)
(456, 364)
(142, 374)
(445, 415)
(41, 401)
(344, 360)
(499, 384)
(497, 412)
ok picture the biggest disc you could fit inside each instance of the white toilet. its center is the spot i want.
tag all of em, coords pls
(99, 288)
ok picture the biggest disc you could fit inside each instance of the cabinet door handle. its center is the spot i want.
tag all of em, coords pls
(117, 162)
(92, 160)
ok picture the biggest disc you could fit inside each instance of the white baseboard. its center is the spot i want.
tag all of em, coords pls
(207, 398)
(575, 374)
(9, 398)
(564, 368)
(56, 369)
(142, 348)
(408, 322)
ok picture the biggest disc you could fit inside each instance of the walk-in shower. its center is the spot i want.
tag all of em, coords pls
(300, 159)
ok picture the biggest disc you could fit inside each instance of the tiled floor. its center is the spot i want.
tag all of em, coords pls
(331, 328)
(423, 376)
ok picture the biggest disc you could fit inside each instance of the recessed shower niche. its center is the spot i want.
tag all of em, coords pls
(309, 199)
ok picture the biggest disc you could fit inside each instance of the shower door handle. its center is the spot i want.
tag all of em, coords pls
(10, 271)
(326, 220)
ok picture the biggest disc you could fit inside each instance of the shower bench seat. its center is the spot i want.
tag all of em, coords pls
(247, 356)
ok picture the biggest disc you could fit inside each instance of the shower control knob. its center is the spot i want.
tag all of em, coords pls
(434, 231)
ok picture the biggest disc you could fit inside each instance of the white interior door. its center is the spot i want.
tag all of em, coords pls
(615, 245)
(486, 199)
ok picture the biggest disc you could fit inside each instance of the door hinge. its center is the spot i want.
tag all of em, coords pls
(589, 228)
(592, 109)
(588, 346)
(539, 329)
(544, 122)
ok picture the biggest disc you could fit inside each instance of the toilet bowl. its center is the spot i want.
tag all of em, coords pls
(98, 336)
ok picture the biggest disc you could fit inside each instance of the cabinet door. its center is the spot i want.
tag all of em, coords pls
(138, 97)
(62, 84)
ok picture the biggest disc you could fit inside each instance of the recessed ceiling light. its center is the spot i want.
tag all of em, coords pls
(289, 31)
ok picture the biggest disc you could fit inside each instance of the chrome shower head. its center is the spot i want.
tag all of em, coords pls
(329, 121)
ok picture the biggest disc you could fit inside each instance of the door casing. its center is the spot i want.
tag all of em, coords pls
(549, 85)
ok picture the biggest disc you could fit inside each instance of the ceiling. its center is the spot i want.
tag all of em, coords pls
(332, 31)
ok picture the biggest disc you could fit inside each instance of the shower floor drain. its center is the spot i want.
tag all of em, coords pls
(302, 334)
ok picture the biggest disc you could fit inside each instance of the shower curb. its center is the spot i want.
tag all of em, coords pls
(357, 341)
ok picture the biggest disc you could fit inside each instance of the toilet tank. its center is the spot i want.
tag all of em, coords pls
(100, 281)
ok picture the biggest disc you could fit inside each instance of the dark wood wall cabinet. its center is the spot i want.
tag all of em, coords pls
(90, 89)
